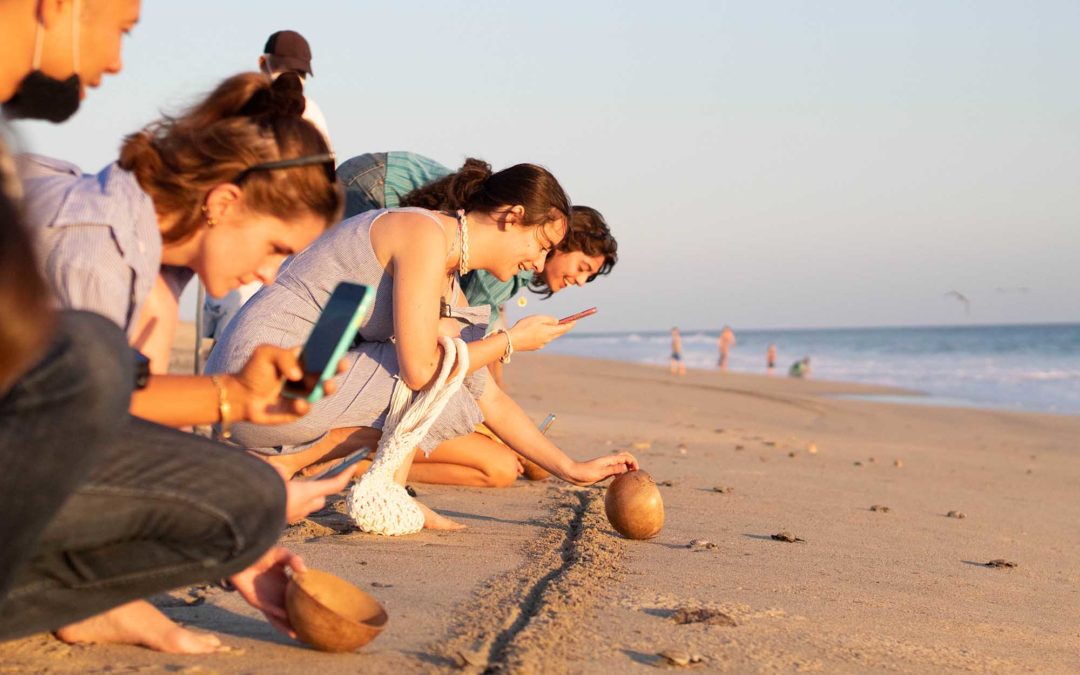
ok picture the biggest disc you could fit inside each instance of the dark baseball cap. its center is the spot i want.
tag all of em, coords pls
(290, 51)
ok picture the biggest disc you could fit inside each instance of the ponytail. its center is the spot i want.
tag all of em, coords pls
(475, 188)
(248, 119)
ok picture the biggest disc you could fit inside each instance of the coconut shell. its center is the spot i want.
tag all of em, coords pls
(634, 507)
(330, 614)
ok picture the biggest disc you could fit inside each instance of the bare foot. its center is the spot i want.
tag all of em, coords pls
(433, 521)
(140, 623)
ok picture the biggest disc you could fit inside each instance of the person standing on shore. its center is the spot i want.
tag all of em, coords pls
(677, 365)
(726, 342)
(770, 359)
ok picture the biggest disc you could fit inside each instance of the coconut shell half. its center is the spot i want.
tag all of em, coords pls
(331, 614)
(634, 506)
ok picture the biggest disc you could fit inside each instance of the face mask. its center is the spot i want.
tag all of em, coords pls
(42, 97)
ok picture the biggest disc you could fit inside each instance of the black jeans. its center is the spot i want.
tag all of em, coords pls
(159, 509)
(54, 424)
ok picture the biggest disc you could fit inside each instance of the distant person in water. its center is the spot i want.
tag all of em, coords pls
(800, 368)
(677, 365)
(726, 342)
(770, 359)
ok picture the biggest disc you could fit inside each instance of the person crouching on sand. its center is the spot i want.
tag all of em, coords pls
(505, 223)
(223, 191)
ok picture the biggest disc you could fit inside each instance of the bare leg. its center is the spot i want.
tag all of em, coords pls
(336, 444)
(140, 623)
(473, 460)
(433, 521)
(341, 442)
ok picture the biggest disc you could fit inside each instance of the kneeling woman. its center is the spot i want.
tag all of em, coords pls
(506, 222)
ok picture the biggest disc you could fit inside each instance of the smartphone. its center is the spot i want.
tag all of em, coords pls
(580, 315)
(546, 424)
(358, 456)
(331, 336)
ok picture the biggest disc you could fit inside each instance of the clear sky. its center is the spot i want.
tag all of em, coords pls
(778, 164)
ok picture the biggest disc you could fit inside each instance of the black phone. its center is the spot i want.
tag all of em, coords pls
(331, 336)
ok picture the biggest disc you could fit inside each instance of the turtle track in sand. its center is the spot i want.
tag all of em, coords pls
(522, 621)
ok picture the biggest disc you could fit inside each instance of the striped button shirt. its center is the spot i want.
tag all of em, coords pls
(97, 236)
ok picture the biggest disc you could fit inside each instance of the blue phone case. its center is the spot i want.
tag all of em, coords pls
(317, 392)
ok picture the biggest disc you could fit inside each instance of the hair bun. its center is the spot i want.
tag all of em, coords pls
(283, 98)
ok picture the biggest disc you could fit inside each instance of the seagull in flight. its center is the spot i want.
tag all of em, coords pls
(961, 298)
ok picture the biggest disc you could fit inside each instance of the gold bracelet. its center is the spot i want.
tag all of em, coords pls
(224, 408)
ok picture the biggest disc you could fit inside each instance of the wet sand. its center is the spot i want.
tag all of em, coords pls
(540, 583)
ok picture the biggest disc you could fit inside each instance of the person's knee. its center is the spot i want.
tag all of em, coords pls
(256, 507)
(502, 470)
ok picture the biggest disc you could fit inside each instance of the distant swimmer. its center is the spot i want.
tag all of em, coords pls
(726, 342)
(800, 368)
(677, 365)
(770, 359)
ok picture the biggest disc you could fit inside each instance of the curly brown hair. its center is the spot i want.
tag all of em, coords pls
(589, 233)
(248, 119)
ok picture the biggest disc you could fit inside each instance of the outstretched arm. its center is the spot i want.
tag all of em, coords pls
(509, 421)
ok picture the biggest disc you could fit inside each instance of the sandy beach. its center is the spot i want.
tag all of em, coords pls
(539, 582)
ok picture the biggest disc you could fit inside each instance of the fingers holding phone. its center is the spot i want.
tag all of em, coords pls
(535, 332)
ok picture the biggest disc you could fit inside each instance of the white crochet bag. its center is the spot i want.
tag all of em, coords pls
(376, 502)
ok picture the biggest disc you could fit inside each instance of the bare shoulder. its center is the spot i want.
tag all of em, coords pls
(406, 233)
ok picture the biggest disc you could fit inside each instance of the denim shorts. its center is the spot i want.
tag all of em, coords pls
(364, 177)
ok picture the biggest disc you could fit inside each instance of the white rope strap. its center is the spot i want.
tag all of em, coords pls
(377, 503)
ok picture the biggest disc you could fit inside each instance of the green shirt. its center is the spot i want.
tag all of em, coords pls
(485, 288)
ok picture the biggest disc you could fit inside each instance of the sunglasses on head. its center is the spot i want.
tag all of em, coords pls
(326, 159)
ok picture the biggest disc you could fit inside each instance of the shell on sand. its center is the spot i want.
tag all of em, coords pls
(331, 614)
(634, 506)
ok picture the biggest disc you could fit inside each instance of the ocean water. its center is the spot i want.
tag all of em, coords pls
(1021, 367)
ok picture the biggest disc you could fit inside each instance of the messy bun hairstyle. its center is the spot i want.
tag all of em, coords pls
(474, 187)
(248, 119)
(589, 233)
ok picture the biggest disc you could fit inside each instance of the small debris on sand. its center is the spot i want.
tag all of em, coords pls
(683, 449)
(857, 463)
(898, 463)
(771, 444)
(879, 508)
(787, 536)
(723, 489)
(701, 545)
(710, 617)
(1001, 563)
(738, 447)
(675, 657)
(718, 431)
(871, 460)
(956, 514)
(379, 584)
(465, 658)
(667, 483)
(791, 454)
(812, 448)
(641, 445)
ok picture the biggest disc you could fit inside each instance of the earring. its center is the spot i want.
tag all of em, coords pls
(210, 222)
